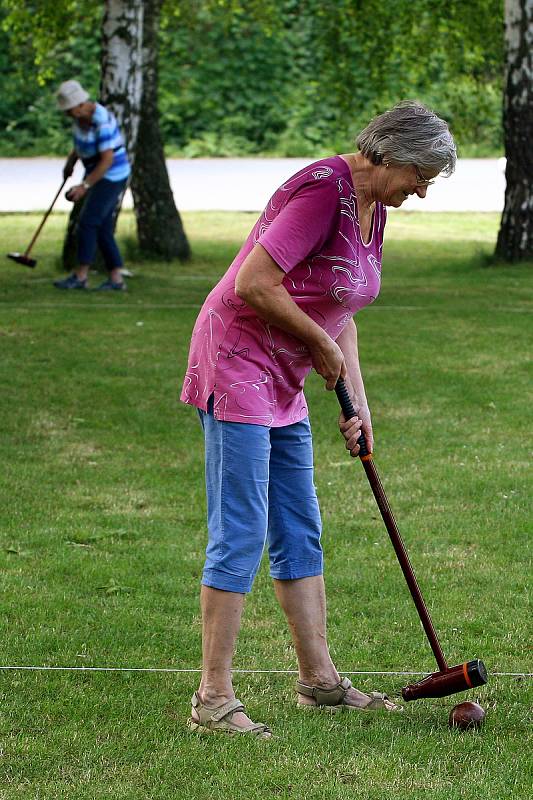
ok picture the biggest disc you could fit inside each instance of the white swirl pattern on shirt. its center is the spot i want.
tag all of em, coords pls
(341, 277)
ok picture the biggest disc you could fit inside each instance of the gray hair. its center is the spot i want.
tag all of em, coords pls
(409, 133)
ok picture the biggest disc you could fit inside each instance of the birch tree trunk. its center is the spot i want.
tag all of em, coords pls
(120, 88)
(515, 238)
(122, 77)
(159, 227)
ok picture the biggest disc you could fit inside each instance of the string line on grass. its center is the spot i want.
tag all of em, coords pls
(240, 671)
(172, 306)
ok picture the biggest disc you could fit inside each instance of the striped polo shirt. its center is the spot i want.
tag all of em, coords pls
(102, 134)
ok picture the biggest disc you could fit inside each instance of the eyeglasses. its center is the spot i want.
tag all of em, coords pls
(420, 180)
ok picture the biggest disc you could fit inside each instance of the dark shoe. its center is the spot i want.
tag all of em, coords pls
(109, 286)
(72, 282)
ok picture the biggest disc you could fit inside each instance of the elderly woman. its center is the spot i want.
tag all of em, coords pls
(285, 306)
(100, 145)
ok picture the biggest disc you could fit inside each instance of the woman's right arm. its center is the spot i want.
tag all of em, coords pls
(68, 169)
(259, 283)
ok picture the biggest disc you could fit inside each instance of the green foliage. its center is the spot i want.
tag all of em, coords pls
(290, 78)
(42, 44)
(40, 26)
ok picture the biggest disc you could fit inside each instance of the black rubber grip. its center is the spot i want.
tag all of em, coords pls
(349, 411)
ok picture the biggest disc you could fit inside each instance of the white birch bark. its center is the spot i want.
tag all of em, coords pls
(121, 81)
(515, 239)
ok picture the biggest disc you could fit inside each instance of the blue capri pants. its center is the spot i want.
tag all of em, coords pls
(260, 489)
(96, 224)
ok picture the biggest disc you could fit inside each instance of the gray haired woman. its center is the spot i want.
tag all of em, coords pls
(286, 306)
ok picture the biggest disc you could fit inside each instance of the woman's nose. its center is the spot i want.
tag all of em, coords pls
(421, 191)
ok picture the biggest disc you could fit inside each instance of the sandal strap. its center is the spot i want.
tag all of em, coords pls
(326, 697)
(226, 710)
(376, 700)
(208, 714)
(377, 695)
(257, 728)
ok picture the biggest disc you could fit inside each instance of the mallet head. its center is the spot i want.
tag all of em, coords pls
(20, 258)
(454, 679)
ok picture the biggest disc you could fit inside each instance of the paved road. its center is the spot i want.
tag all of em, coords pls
(245, 184)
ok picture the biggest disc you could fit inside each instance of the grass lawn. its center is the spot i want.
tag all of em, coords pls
(102, 532)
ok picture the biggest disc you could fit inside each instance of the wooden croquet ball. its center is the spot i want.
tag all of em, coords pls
(466, 716)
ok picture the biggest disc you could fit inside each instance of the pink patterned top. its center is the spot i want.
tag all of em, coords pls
(310, 228)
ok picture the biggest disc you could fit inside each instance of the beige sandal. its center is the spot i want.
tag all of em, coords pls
(219, 719)
(334, 699)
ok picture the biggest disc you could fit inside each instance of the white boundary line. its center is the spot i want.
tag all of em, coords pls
(241, 671)
(86, 307)
(140, 307)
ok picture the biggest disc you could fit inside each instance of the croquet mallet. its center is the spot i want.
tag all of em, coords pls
(448, 680)
(24, 258)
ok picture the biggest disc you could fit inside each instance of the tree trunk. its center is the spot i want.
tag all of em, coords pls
(120, 87)
(122, 78)
(515, 239)
(159, 227)
(70, 242)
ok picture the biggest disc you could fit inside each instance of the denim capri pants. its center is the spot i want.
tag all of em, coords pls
(96, 224)
(260, 489)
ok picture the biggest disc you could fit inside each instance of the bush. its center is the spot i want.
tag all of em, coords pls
(300, 82)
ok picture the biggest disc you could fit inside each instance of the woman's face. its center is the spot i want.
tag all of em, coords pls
(82, 112)
(398, 182)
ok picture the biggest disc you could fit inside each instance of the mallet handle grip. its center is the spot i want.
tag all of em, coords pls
(390, 523)
(349, 412)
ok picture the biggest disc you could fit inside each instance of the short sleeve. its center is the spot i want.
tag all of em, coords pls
(104, 140)
(106, 131)
(304, 225)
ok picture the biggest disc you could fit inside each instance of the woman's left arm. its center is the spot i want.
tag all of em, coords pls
(104, 162)
(347, 342)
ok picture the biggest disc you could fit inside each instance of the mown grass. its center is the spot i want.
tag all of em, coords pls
(102, 531)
